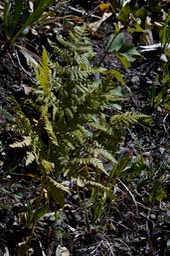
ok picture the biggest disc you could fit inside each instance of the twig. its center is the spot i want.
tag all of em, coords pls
(133, 198)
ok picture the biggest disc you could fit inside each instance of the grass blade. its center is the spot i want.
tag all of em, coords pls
(33, 17)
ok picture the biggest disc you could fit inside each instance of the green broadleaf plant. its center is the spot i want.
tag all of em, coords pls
(13, 14)
(125, 52)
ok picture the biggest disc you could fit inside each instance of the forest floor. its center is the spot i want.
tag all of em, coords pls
(134, 227)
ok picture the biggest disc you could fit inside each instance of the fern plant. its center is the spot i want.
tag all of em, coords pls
(80, 123)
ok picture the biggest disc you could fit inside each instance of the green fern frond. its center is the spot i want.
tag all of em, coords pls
(69, 113)
(100, 127)
(97, 163)
(67, 45)
(43, 74)
(56, 189)
(85, 131)
(82, 59)
(79, 136)
(80, 35)
(127, 118)
(77, 50)
(63, 53)
(47, 166)
(69, 144)
(100, 152)
(49, 129)
(22, 124)
(82, 182)
(83, 71)
(95, 184)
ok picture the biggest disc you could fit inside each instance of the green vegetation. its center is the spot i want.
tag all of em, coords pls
(73, 131)
(78, 125)
(17, 17)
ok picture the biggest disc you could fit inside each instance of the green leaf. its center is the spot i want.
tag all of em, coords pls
(137, 27)
(115, 42)
(34, 17)
(117, 75)
(123, 59)
(164, 34)
(117, 170)
(39, 213)
(129, 51)
(47, 166)
(124, 14)
(16, 16)
(142, 13)
(7, 8)
(119, 3)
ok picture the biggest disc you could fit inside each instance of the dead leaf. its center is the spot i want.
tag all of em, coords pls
(62, 251)
(104, 6)
(27, 89)
(95, 25)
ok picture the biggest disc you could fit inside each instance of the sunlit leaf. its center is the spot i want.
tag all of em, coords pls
(129, 51)
(123, 59)
(115, 42)
(118, 76)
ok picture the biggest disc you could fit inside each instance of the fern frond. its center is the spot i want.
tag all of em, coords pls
(43, 74)
(47, 166)
(95, 184)
(91, 161)
(69, 113)
(127, 118)
(78, 120)
(79, 136)
(100, 127)
(82, 182)
(22, 124)
(30, 157)
(56, 189)
(63, 53)
(84, 59)
(100, 152)
(49, 129)
(22, 143)
(82, 72)
(69, 144)
(78, 49)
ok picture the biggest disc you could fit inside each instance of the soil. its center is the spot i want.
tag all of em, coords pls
(134, 227)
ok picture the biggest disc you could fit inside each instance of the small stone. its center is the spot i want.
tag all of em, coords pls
(135, 80)
(153, 216)
(161, 150)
